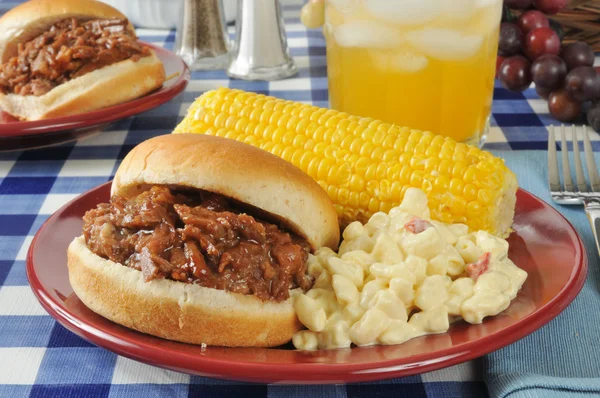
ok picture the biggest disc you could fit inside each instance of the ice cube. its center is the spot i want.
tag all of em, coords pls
(458, 10)
(408, 62)
(367, 34)
(344, 6)
(488, 20)
(334, 17)
(403, 61)
(405, 12)
(444, 44)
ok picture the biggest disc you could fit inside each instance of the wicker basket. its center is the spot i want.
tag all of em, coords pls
(581, 21)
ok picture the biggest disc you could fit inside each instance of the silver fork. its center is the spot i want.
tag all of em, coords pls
(568, 194)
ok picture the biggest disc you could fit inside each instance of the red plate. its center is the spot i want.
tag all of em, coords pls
(544, 244)
(17, 135)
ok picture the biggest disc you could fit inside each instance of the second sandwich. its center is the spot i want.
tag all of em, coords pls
(62, 57)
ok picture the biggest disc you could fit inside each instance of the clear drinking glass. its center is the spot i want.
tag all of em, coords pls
(425, 64)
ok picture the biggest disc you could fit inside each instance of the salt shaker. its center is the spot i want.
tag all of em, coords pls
(202, 40)
(260, 50)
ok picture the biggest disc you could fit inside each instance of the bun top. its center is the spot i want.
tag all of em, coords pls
(30, 19)
(280, 191)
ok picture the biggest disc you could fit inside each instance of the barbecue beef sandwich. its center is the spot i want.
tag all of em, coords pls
(63, 57)
(205, 240)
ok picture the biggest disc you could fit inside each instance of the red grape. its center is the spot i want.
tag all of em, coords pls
(562, 107)
(550, 7)
(548, 71)
(541, 41)
(499, 60)
(543, 92)
(577, 54)
(583, 83)
(519, 4)
(515, 73)
(511, 39)
(531, 20)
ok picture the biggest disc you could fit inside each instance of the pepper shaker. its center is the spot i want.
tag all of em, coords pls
(260, 50)
(202, 40)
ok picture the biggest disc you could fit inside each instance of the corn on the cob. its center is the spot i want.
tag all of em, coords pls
(365, 165)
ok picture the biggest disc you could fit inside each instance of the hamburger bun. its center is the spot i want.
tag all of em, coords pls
(275, 189)
(239, 171)
(176, 310)
(110, 85)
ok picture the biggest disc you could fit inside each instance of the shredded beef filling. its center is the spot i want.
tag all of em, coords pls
(69, 49)
(198, 238)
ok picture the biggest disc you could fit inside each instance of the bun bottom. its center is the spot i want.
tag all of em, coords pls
(111, 85)
(174, 310)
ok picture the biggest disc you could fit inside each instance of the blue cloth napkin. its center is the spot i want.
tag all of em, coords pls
(562, 359)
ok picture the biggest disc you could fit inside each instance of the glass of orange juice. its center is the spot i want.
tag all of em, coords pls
(425, 64)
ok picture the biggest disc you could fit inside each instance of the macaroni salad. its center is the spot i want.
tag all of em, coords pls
(401, 276)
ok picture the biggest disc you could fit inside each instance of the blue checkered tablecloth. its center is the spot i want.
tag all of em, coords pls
(39, 358)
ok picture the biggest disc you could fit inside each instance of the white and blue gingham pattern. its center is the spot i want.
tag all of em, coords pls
(39, 358)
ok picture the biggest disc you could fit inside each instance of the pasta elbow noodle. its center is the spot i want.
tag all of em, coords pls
(351, 271)
(490, 243)
(434, 320)
(323, 281)
(336, 334)
(371, 325)
(313, 265)
(483, 304)
(425, 244)
(387, 302)
(458, 229)
(398, 332)
(468, 250)
(353, 231)
(359, 257)
(418, 266)
(448, 261)
(386, 250)
(305, 340)
(345, 291)
(415, 203)
(377, 222)
(433, 292)
(460, 290)
(370, 290)
(363, 242)
(446, 233)
(404, 290)
(387, 271)
(309, 313)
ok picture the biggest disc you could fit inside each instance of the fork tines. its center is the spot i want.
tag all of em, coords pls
(553, 172)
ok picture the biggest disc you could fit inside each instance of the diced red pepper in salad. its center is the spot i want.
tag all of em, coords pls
(417, 225)
(476, 269)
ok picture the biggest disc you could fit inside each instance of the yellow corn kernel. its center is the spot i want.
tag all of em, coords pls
(357, 183)
(405, 174)
(363, 164)
(372, 187)
(470, 192)
(385, 190)
(287, 153)
(373, 206)
(393, 171)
